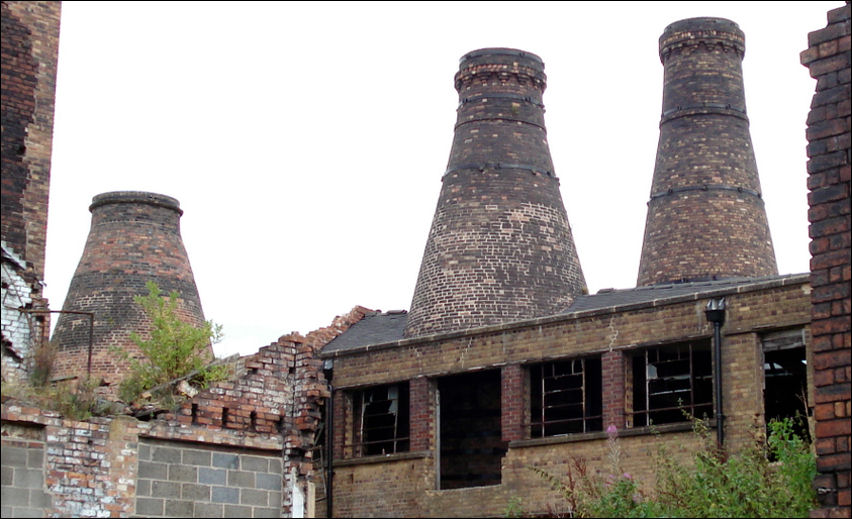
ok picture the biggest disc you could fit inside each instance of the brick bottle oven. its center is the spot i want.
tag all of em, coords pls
(500, 247)
(706, 218)
(134, 238)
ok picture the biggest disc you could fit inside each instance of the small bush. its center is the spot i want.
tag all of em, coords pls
(745, 484)
(41, 363)
(175, 350)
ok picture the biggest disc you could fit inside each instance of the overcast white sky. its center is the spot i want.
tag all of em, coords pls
(306, 141)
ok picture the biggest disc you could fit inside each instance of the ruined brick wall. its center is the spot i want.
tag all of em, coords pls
(828, 133)
(134, 238)
(500, 247)
(405, 483)
(87, 467)
(29, 54)
(241, 448)
(706, 218)
(121, 467)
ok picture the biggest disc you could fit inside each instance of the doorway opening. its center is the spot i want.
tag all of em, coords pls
(471, 445)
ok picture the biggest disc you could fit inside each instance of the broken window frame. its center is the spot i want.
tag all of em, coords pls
(380, 422)
(785, 356)
(579, 380)
(691, 388)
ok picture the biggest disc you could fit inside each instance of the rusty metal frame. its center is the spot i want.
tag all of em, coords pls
(690, 374)
(91, 316)
(363, 417)
(556, 398)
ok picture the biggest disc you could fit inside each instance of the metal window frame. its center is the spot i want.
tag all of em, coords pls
(548, 399)
(690, 348)
(363, 416)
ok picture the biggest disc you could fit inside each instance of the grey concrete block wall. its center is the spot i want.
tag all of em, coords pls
(23, 492)
(187, 480)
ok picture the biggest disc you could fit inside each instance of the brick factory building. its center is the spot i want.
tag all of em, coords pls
(443, 411)
(504, 361)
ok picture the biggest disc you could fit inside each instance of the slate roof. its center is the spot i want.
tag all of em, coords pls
(610, 298)
(383, 328)
(375, 328)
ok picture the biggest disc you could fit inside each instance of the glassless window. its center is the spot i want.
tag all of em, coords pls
(670, 380)
(381, 417)
(565, 397)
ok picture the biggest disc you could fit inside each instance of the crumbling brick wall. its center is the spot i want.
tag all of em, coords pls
(243, 447)
(828, 133)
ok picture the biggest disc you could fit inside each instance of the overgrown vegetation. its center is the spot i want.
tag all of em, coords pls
(75, 400)
(745, 484)
(175, 351)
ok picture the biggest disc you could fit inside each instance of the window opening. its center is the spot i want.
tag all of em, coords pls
(471, 443)
(671, 380)
(565, 397)
(785, 373)
(381, 420)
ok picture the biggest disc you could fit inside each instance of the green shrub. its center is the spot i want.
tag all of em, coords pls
(716, 484)
(42, 363)
(75, 402)
(175, 350)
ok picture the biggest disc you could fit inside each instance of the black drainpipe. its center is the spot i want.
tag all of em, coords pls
(715, 313)
(328, 367)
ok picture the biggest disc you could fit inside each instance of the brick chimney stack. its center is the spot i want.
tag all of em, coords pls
(706, 218)
(500, 248)
(134, 238)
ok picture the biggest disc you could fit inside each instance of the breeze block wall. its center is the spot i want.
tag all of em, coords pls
(23, 472)
(706, 218)
(181, 480)
(404, 484)
(828, 133)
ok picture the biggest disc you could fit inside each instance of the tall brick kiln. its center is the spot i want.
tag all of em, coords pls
(134, 238)
(500, 247)
(706, 218)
